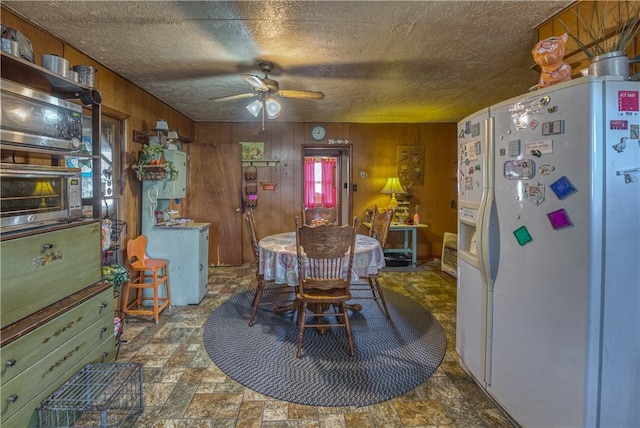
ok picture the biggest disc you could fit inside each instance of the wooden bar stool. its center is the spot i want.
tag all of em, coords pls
(145, 273)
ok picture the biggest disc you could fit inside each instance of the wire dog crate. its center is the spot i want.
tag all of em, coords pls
(99, 395)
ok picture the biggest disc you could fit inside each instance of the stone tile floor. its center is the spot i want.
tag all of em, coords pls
(183, 388)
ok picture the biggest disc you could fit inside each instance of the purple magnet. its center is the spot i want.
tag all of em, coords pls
(559, 219)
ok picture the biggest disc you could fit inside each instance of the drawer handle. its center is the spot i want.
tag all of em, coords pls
(103, 305)
(12, 398)
(10, 363)
(105, 354)
(47, 246)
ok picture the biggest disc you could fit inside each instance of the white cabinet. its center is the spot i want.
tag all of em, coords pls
(174, 189)
(187, 249)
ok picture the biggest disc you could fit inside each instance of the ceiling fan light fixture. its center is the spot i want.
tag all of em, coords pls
(273, 108)
(255, 107)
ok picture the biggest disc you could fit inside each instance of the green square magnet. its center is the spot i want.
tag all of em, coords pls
(522, 235)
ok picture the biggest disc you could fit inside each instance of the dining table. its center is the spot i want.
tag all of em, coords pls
(278, 259)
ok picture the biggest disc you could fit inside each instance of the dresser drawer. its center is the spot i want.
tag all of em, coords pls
(27, 416)
(20, 354)
(38, 270)
(15, 393)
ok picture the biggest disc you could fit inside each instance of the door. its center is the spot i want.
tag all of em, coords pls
(214, 178)
(340, 157)
(545, 169)
(472, 288)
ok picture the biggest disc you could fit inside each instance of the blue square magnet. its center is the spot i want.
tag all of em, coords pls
(563, 188)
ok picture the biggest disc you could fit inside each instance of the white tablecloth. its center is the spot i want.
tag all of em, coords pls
(278, 260)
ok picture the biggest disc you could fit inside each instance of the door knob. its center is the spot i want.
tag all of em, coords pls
(237, 210)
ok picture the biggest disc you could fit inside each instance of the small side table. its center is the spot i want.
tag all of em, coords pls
(406, 249)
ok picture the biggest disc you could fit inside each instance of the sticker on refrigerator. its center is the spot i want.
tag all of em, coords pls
(539, 147)
(546, 169)
(628, 101)
(563, 188)
(514, 148)
(534, 193)
(522, 169)
(475, 129)
(522, 235)
(618, 125)
(559, 219)
(469, 151)
(553, 128)
(468, 183)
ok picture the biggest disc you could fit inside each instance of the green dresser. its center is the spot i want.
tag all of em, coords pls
(38, 270)
(48, 347)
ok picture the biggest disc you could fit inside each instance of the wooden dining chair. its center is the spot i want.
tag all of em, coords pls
(379, 229)
(263, 286)
(325, 259)
(146, 273)
(319, 215)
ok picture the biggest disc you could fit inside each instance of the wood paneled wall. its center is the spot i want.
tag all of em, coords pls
(573, 54)
(120, 98)
(373, 152)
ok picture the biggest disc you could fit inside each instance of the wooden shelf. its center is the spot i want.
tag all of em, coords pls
(37, 77)
(272, 162)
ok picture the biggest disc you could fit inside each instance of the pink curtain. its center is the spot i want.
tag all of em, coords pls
(309, 183)
(328, 182)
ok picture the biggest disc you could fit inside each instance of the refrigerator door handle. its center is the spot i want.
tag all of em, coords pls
(487, 213)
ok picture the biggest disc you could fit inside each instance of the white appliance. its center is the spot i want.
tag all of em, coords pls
(549, 302)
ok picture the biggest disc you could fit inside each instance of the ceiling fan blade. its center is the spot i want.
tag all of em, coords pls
(234, 97)
(255, 81)
(305, 95)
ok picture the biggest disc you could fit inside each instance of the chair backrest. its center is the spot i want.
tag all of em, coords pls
(250, 222)
(320, 215)
(380, 223)
(137, 249)
(325, 255)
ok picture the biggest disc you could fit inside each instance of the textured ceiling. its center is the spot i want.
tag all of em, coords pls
(376, 62)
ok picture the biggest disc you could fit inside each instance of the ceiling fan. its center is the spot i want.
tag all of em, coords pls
(264, 87)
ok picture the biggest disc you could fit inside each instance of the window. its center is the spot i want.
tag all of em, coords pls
(320, 181)
(111, 165)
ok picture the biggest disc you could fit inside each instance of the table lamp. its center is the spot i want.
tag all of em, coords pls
(393, 186)
(43, 189)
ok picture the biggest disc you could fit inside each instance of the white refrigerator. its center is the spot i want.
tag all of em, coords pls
(548, 318)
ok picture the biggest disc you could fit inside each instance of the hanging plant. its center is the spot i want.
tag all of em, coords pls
(116, 275)
(150, 155)
(152, 165)
(173, 172)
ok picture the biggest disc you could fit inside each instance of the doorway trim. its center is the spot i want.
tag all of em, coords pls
(343, 152)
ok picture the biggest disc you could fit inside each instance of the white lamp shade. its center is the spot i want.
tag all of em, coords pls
(273, 108)
(255, 107)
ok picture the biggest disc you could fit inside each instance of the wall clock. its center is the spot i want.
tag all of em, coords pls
(318, 132)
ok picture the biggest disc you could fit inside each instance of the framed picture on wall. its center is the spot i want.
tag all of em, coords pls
(252, 151)
(411, 165)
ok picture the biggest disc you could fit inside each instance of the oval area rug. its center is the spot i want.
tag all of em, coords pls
(392, 356)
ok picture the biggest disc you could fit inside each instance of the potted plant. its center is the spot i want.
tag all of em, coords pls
(151, 164)
(116, 275)
(603, 32)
